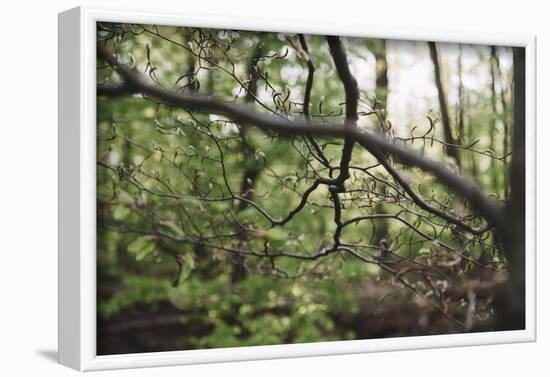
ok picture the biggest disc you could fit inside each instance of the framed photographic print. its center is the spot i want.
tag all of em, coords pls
(236, 189)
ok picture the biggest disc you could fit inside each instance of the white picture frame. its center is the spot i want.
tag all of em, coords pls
(77, 196)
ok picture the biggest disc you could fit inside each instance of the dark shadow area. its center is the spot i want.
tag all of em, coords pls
(50, 355)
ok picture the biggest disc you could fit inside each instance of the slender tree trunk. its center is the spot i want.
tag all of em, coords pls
(209, 87)
(445, 119)
(460, 115)
(494, 115)
(252, 168)
(473, 158)
(378, 49)
(465, 131)
(189, 79)
(505, 120)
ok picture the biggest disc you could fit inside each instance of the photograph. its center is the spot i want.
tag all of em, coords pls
(262, 188)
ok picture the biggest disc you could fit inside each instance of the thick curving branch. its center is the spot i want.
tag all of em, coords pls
(352, 97)
(134, 83)
(428, 207)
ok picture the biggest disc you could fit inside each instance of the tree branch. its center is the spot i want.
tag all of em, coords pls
(134, 83)
(307, 99)
(352, 97)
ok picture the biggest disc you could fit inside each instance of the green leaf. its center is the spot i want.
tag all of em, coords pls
(125, 198)
(248, 214)
(260, 155)
(187, 264)
(142, 247)
(190, 202)
(121, 212)
(276, 234)
(172, 226)
(218, 207)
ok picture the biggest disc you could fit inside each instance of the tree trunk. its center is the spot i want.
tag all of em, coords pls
(460, 115)
(252, 168)
(494, 115)
(511, 304)
(445, 119)
(378, 49)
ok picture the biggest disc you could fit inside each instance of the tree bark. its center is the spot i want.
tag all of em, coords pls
(352, 96)
(494, 115)
(252, 169)
(378, 49)
(445, 119)
(511, 304)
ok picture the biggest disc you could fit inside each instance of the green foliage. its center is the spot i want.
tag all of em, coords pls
(141, 247)
(187, 264)
(176, 224)
(135, 289)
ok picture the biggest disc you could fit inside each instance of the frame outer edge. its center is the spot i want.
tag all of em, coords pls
(77, 327)
(69, 115)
